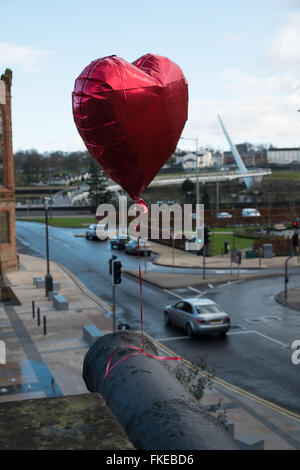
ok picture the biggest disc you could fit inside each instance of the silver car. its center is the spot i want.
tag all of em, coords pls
(197, 316)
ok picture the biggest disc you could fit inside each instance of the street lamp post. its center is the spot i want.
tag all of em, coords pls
(48, 277)
(195, 139)
(255, 192)
(233, 197)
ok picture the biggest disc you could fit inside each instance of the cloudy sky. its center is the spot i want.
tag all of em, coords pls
(240, 57)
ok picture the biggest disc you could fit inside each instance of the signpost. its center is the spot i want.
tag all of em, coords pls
(236, 257)
(115, 270)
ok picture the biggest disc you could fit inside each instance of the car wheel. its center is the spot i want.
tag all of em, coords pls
(167, 319)
(223, 334)
(189, 330)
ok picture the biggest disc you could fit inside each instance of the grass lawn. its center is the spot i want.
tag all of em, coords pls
(284, 175)
(217, 242)
(69, 222)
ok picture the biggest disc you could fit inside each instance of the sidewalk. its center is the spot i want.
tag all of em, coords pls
(185, 259)
(292, 300)
(40, 366)
(229, 272)
(34, 359)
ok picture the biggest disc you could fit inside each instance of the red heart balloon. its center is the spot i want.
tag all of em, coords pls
(130, 116)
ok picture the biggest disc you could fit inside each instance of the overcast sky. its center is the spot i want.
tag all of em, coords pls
(240, 57)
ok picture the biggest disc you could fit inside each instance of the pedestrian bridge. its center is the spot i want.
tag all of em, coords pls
(257, 174)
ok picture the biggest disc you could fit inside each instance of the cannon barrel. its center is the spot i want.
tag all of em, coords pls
(155, 409)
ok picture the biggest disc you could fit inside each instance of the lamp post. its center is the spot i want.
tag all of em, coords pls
(255, 192)
(233, 197)
(195, 139)
(48, 277)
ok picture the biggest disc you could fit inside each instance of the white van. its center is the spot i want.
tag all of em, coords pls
(249, 212)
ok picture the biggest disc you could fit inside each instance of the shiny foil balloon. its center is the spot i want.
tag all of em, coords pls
(130, 116)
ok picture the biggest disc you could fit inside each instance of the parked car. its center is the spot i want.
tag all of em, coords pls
(144, 247)
(197, 316)
(94, 232)
(250, 212)
(91, 233)
(224, 215)
(119, 242)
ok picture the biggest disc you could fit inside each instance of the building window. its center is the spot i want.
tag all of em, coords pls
(4, 227)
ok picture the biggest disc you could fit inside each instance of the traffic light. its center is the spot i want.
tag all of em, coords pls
(206, 236)
(110, 263)
(295, 224)
(295, 239)
(117, 272)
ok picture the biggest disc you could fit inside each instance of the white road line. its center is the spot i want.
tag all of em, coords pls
(172, 293)
(230, 283)
(196, 290)
(211, 286)
(271, 339)
(203, 293)
(173, 338)
(239, 332)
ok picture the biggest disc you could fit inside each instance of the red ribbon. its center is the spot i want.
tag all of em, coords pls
(140, 350)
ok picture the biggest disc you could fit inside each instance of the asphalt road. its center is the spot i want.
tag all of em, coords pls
(255, 355)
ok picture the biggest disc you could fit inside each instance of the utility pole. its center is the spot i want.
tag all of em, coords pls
(115, 269)
(48, 277)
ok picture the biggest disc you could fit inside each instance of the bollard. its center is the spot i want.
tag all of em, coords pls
(38, 317)
(156, 411)
(44, 325)
(33, 309)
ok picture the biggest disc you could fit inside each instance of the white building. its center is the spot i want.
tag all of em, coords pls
(205, 159)
(283, 156)
(189, 161)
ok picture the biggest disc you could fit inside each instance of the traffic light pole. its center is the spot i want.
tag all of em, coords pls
(204, 254)
(115, 271)
(114, 307)
(286, 277)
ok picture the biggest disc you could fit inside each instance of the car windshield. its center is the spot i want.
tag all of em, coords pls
(208, 308)
(92, 227)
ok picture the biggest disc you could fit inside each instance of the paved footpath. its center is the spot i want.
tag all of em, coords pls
(50, 365)
(186, 259)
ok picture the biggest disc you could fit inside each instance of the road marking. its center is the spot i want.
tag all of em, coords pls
(229, 386)
(210, 286)
(239, 332)
(271, 339)
(203, 293)
(260, 334)
(172, 293)
(196, 290)
(225, 284)
(174, 338)
(230, 283)
(200, 293)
